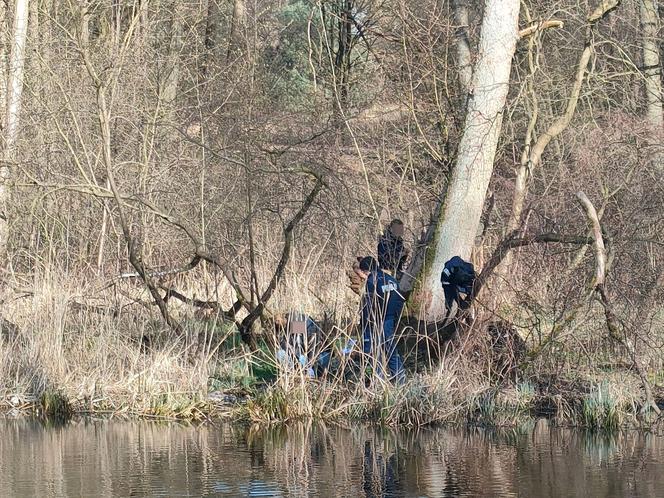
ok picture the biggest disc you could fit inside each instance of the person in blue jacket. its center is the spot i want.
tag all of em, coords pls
(382, 304)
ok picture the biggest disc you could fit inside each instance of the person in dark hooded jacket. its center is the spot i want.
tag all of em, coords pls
(392, 254)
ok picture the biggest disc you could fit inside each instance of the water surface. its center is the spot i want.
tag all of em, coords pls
(119, 458)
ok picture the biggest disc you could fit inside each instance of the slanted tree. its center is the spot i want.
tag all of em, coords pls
(460, 216)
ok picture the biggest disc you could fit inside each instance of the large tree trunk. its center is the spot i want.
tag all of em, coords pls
(14, 91)
(460, 217)
(651, 67)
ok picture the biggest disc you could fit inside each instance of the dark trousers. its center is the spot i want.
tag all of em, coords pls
(386, 349)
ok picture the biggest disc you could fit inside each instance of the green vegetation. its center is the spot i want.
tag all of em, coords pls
(54, 404)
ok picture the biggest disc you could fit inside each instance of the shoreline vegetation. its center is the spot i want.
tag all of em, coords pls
(63, 359)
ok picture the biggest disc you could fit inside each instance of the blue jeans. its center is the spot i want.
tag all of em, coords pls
(387, 346)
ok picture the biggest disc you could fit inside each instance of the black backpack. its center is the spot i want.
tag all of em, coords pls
(458, 272)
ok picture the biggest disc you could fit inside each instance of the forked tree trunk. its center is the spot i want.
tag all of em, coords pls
(532, 153)
(460, 217)
(652, 69)
(14, 91)
(531, 156)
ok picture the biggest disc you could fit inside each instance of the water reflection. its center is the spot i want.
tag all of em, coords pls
(120, 458)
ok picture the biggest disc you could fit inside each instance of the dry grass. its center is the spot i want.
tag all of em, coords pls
(97, 361)
(67, 359)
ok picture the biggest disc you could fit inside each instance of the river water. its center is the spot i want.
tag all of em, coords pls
(98, 458)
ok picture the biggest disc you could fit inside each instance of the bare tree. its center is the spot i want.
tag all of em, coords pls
(652, 70)
(14, 93)
(533, 150)
(464, 202)
(464, 59)
(238, 26)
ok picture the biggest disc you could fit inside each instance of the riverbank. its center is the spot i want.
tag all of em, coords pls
(63, 358)
(606, 401)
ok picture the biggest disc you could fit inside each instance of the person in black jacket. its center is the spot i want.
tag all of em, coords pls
(458, 277)
(392, 254)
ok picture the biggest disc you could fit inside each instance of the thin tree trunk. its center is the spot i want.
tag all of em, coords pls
(15, 89)
(616, 328)
(211, 35)
(531, 157)
(85, 23)
(463, 206)
(16, 65)
(237, 37)
(462, 45)
(652, 69)
(342, 59)
(175, 46)
(4, 59)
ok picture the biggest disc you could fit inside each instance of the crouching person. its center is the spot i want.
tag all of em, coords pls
(457, 278)
(298, 341)
(382, 304)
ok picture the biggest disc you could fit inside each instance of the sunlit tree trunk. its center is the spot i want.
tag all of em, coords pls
(14, 91)
(652, 69)
(460, 217)
(85, 22)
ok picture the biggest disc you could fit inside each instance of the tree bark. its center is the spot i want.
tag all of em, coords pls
(14, 91)
(462, 45)
(237, 36)
(652, 69)
(174, 47)
(463, 206)
(212, 21)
